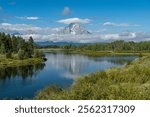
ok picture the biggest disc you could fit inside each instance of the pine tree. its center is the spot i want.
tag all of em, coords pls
(14, 44)
(31, 45)
(21, 54)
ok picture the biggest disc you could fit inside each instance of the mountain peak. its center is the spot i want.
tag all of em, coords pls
(74, 24)
(75, 29)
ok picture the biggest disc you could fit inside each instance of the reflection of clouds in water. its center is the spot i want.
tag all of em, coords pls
(71, 63)
(72, 66)
(70, 76)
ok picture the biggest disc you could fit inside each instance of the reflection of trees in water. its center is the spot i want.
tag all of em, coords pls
(120, 60)
(75, 64)
(21, 71)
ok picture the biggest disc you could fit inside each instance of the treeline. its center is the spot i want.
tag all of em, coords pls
(17, 45)
(119, 45)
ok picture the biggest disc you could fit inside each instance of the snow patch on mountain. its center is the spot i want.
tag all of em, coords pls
(75, 29)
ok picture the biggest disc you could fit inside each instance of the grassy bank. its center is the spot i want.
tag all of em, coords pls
(95, 53)
(129, 82)
(104, 53)
(15, 62)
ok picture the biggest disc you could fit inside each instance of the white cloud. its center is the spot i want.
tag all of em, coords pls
(119, 24)
(87, 38)
(6, 24)
(18, 27)
(52, 34)
(99, 30)
(32, 18)
(28, 18)
(66, 11)
(25, 29)
(74, 20)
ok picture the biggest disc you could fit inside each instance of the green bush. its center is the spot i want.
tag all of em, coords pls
(9, 55)
(21, 54)
(38, 54)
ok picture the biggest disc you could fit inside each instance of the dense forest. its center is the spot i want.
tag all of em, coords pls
(119, 45)
(11, 45)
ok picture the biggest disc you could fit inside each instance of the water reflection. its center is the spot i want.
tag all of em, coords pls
(116, 59)
(21, 71)
(74, 65)
(60, 69)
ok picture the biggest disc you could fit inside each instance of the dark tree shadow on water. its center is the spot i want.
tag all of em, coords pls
(22, 71)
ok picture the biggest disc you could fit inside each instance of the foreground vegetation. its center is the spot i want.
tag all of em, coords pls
(130, 82)
(13, 62)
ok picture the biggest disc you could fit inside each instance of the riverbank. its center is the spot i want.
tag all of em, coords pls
(131, 82)
(95, 53)
(15, 62)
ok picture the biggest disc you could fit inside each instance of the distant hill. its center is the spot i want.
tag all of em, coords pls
(51, 43)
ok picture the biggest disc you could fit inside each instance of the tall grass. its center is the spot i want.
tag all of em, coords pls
(131, 82)
(15, 62)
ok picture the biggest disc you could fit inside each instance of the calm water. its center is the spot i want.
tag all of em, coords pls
(61, 69)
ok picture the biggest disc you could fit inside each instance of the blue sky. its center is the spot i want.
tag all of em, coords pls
(96, 15)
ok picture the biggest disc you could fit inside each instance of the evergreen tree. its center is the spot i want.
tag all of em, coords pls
(14, 44)
(21, 54)
(3, 50)
(31, 45)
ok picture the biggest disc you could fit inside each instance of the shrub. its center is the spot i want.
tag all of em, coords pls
(8, 55)
(21, 54)
(38, 54)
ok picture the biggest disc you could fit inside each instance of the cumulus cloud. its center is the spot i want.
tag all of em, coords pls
(53, 34)
(18, 27)
(74, 20)
(119, 24)
(25, 29)
(66, 11)
(5, 24)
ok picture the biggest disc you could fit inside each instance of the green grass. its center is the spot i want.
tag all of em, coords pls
(104, 53)
(131, 82)
(94, 53)
(16, 62)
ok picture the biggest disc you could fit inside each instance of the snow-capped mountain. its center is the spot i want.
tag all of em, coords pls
(75, 29)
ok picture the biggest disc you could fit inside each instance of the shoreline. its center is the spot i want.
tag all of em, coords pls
(14, 62)
(128, 82)
(96, 53)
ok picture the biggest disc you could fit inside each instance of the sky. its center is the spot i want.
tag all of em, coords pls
(107, 20)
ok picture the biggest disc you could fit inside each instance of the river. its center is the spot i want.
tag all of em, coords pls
(60, 69)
